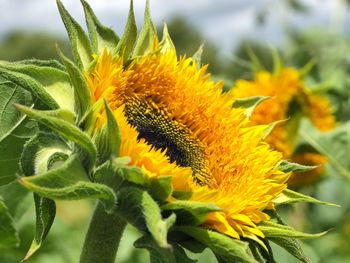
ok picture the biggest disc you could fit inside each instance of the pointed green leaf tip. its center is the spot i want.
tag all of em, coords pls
(108, 138)
(289, 197)
(80, 44)
(166, 44)
(286, 167)
(82, 94)
(101, 36)
(249, 103)
(147, 36)
(271, 229)
(127, 41)
(45, 210)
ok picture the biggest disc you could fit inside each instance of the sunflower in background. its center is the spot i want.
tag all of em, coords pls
(288, 99)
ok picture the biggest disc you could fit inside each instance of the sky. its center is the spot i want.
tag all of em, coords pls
(223, 21)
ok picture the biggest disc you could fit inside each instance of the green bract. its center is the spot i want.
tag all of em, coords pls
(51, 146)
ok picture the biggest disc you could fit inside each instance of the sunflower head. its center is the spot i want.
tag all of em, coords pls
(289, 100)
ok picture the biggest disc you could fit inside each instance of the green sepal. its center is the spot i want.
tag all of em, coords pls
(128, 39)
(80, 44)
(140, 210)
(197, 57)
(163, 255)
(190, 212)
(45, 210)
(271, 126)
(9, 236)
(249, 104)
(166, 44)
(101, 37)
(286, 167)
(271, 229)
(222, 245)
(31, 85)
(68, 182)
(276, 61)
(88, 120)
(290, 197)
(160, 188)
(256, 64)
(55, 81)
(82, 94)
(108, 138)
(107, 175)
(292, 246)
(132, 175)
(67, 131)
(148, 35)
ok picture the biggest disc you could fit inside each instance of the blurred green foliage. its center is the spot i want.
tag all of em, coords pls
(20, 45)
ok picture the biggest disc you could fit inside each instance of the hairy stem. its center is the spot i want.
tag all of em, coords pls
(103, 237)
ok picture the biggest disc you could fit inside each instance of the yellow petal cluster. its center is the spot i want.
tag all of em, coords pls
(196, 127)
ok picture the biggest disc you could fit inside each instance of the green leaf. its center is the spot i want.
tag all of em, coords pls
(162, 255)
(148, 35)
(55, 81)
(249, 103)
(190, 212)
(101, 36)
(166, 44)
(271, 229)
(138, 207)
(160, 188)
(45, 210)
(292, 246)
(9, 159)
(127, 41)
(10, 118)
(9, 237)
(290, 197)
(224, 246)
(108, 139)
(82, 94)
(29, 84)
(42, 63)
(80, 44)
(68, 182)
(66, 130)
(286, 167)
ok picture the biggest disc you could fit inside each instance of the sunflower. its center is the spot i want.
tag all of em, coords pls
(172, 108)
(289, 99)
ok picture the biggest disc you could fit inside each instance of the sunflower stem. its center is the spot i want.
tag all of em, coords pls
(103, 237)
